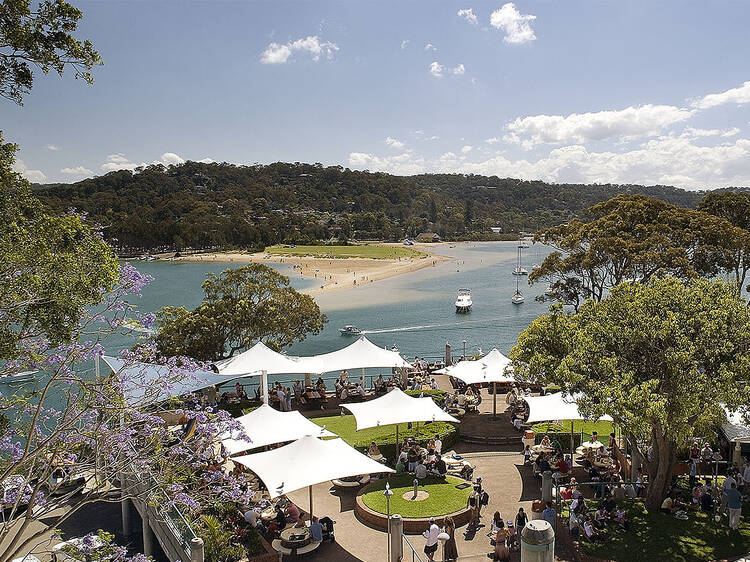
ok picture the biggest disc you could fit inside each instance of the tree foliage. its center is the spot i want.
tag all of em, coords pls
(40, 35)
(51, 267)
(659, 357)
(636, 238)
(241, 307)
(196, 205)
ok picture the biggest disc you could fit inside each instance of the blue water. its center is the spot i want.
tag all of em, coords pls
(413, 311)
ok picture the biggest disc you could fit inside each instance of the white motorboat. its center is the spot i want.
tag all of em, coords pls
(349, 330)
(463, 301)
(518, 270)
(18, 378)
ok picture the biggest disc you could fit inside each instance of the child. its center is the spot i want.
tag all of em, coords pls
(527, 455)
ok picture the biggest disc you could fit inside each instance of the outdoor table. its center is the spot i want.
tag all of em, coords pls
(376, 457)
(541, 449)
(295, 537)
(268, 513)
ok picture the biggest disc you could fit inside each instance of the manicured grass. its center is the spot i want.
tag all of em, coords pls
(345, 427)
(332, 252)
(656, 536)
(444, 497)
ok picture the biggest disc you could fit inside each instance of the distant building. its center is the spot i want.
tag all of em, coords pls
(428, 237)
(496, 229)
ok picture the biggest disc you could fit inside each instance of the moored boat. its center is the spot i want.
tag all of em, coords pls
(463, 301)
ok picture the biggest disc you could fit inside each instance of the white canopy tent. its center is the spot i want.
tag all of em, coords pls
(256, 359)
(489, 369)
(268, 426)
(397, 407)
(556, 407)
(362, 354)
(146, 383)
(306, 462)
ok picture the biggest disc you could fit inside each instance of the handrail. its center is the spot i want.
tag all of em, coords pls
(414, 553)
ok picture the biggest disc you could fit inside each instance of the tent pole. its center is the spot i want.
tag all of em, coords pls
(397, 451)
(311, 503)
(494, 400)
(572, 444)
(264, 382)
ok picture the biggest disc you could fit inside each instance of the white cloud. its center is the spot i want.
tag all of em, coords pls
(77, 171)
(404, 44)
(691, 132)
(492, 140)
(735, 95)
(433, 138)
(436, 69)
(34, 176)
(277, 53)
(206, 161)
(625, 124)
(401, 164)
(170, 158)
(119, 161)
(468, 15)
(430, 47)
(517, 26)
(466, 149)
(394, 143)
(52, 147)
(459, 70)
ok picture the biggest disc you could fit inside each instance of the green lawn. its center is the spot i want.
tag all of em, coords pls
(345, 427)
(331, 252)
(656, 536)
(444, 497)
(603, 427)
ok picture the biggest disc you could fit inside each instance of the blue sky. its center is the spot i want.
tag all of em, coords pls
(594, 91)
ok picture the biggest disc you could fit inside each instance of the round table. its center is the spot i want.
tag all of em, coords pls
(541, 449)
(302, 535)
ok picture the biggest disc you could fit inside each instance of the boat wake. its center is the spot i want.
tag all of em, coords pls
(432, 327)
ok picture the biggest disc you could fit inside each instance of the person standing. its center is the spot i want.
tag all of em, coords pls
(746, 478)
(431, 534)
(734, 506)
(450, 550)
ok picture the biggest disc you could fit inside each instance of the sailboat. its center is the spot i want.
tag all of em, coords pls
(518, 270)
(518, 297)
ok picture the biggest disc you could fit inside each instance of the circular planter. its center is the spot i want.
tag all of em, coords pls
(412, 525)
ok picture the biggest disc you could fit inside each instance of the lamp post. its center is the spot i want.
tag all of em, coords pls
(388, 493)
(464, 342)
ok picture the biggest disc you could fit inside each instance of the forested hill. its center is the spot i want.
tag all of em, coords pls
(196, 205)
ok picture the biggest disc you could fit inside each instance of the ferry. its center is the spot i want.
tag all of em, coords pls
(463, 301)
(349, 330)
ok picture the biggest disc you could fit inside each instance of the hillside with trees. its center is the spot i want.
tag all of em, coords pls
(196, 205)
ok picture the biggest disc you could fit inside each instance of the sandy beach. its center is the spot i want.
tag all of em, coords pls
(336, 273)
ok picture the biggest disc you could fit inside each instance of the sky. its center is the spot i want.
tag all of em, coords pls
(596, 91)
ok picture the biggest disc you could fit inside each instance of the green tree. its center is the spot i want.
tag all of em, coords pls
(40, 35)
(660, 358)
(635, 238)
(241, 307)
(51, 267)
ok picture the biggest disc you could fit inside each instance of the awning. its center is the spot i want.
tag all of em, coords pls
(736, 429)
(555, 407)
(362, 354)
(397, 407)
(146, 383)
(266, 426)
(488, 369)
(256, 359)
(306, 462)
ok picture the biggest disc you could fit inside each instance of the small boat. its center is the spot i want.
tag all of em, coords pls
(463, 301)
(518, 270)
(350, 331)
(18, 378)
(517, 298)
(408, 242)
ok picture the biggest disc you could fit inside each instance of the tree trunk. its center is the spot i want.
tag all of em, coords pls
(660, 471)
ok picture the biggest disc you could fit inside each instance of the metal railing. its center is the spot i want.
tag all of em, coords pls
(414, 554)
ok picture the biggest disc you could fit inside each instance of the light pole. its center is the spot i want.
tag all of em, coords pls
(464, 342)
(388, 493)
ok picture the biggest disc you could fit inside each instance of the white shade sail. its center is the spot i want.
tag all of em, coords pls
(488, 369)
(266, 426)
(256, 359)
(397, 407)
(555, 406)
(145, 383)
(362, 354)
(306, 462)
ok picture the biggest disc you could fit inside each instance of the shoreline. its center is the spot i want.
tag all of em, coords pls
(333, 273)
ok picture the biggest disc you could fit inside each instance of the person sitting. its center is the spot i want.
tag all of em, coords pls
(361, 391)
(696, 494)
(669, 505)
(707, 500)
(566, 493)
(240, 391)
(543, 464)
(620, 518)
(400, 467)
(557, 446)
(600, 517)
(440, 468)
(337, 387)
(574, 525)
(420, 471)
(252, 517)
(546, 443)
(373, 451)
(590, 532)
(609, 504)
(438, 445)
(316, 530)
(292, 513)
(379, 385)
(342, 377)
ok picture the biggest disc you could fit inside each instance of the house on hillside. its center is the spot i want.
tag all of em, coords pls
(428, 237)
